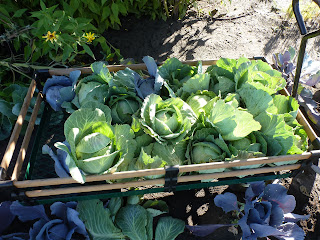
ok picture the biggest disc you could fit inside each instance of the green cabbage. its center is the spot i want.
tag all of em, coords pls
(166, 120)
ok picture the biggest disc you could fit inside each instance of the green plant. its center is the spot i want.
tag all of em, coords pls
(61, 36)
(11, 100)
(131, 221)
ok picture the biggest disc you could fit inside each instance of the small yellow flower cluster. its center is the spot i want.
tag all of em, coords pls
(53, 37)
(50, 36)
(90, 37)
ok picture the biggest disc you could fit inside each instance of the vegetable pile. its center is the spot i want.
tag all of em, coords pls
(177, 114)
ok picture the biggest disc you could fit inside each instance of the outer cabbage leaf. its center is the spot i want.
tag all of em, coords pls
(195, 83)
(285, 105)
(125, 78)
(152, 84)
(132, 220)
(232, 123)
(176, 73)
(59, 89)
(277, 132)
(98, 220)
(157, 155)
(126, 145)
(256, 100)
(169, 228)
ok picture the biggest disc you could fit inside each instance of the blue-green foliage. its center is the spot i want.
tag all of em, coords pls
(11, 101)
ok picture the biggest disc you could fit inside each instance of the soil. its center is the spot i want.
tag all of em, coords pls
(255, 28)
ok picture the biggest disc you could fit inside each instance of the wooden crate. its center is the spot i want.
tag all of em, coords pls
(16, 186)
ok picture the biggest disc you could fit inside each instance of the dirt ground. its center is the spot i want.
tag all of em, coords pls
(255, 28)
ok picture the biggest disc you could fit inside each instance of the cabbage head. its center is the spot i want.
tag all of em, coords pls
(96, 146)
(123, 105)
(166, 120)
(205, 146)
(199, 99)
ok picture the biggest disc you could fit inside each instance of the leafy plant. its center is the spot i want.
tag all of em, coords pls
(166, 121)
(63, 223)
(60, 89)
(91, 88)
(61, 36)
(95, 146)
(11, 100)
(133, 221)
(267, 211)
(283, 62)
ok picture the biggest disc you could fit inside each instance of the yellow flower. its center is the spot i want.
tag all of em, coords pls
(50, 36)
(89, 36)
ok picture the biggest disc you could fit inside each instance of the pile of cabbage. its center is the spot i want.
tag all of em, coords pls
(175, 114)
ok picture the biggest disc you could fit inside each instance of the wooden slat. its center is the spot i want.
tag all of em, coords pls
(26, 139)
(17, 128)
(161, 171)
(237, 173)
(161, 181)
(115, 68)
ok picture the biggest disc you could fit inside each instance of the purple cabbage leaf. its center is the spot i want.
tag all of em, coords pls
(60, 165)
(150, 85)
(227, 201)
(205, 229)
(266, 212)
(6, 216)
(283, 62)
(59, 89)
(65, 223)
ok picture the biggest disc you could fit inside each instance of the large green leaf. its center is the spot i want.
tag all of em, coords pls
(82, 119)
(132, 219)
(227, 63)
(125, 144)
(256, 100)
(274, 127)
(199, 99)
(6, 109)
(197, 82)
(93, 91)
(5, 127)
(104, 108)
(231, 123)
(169, 228)
(100, 69)
(98, 220)
(114, 205)
(224, 85)
(286, 105)
(124, 78)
